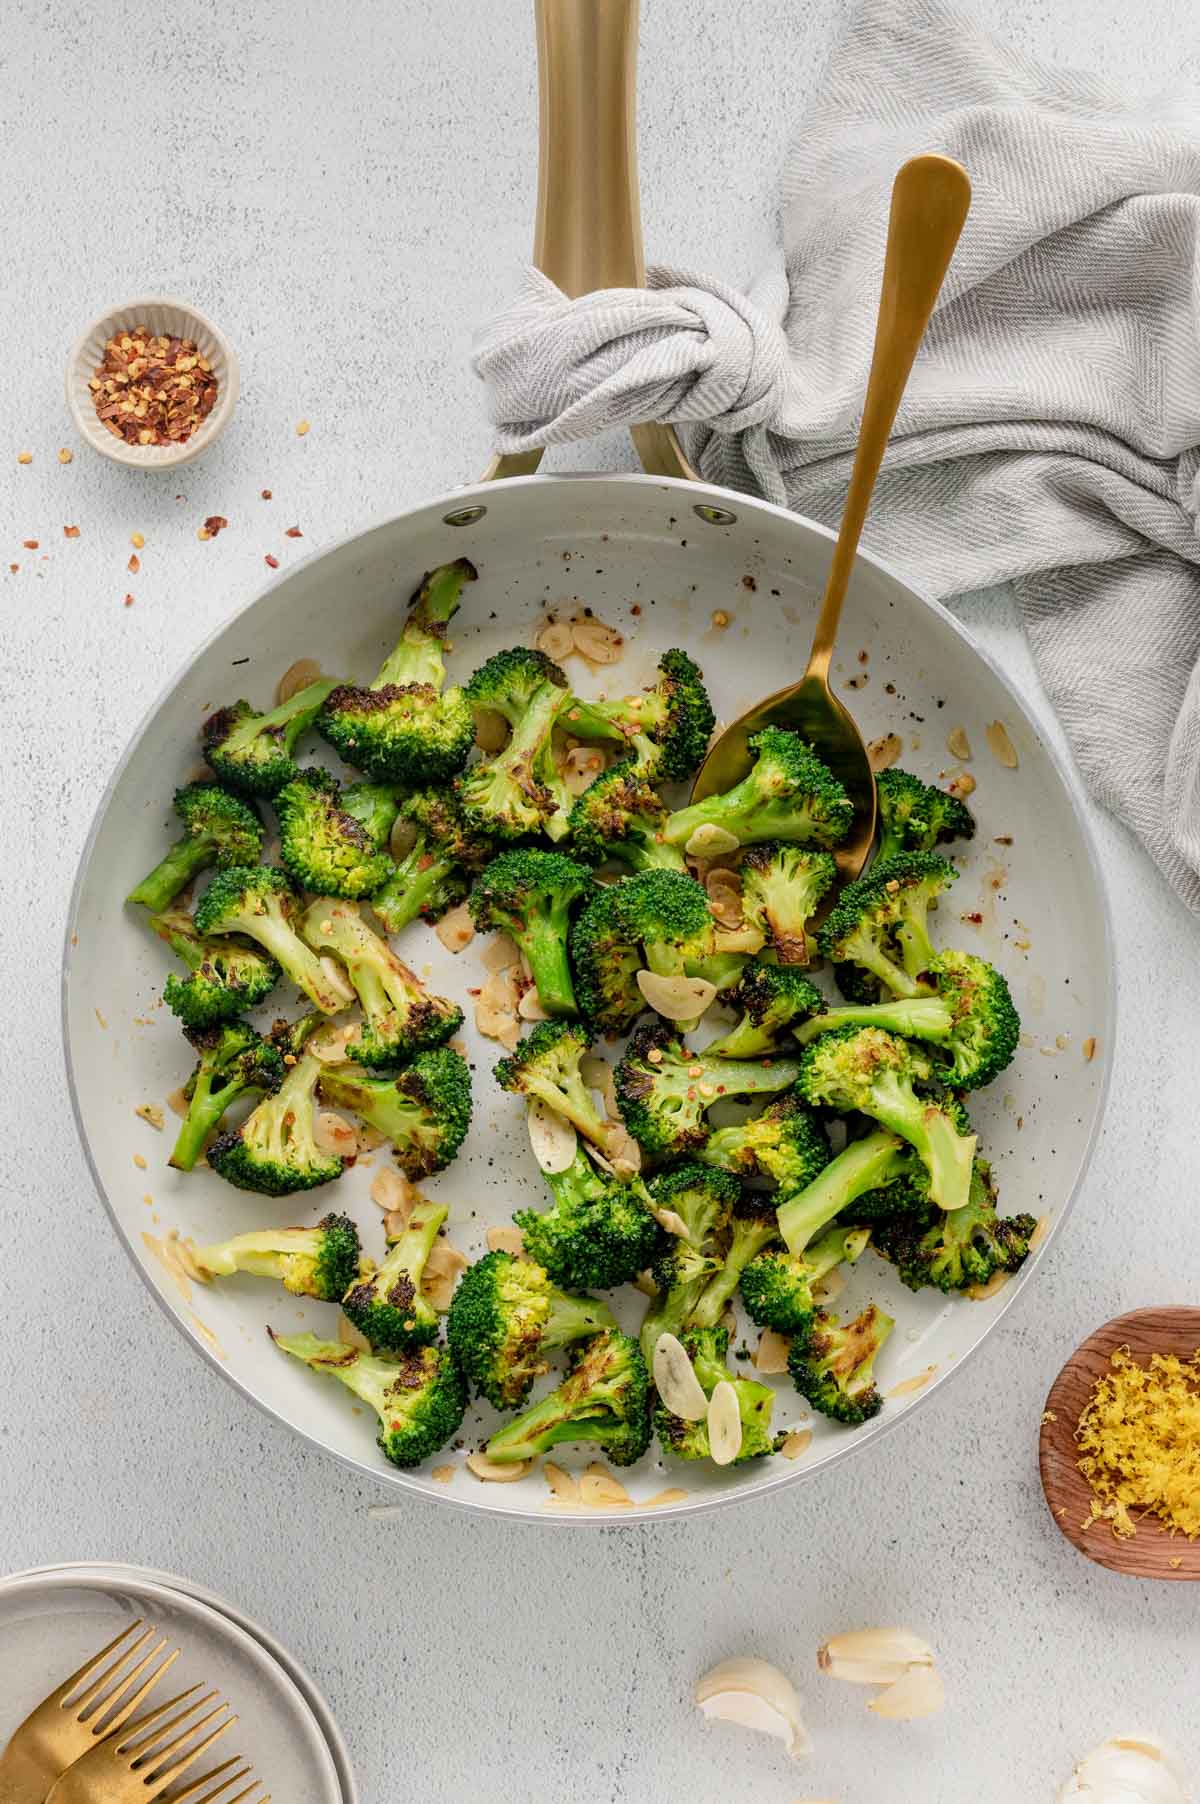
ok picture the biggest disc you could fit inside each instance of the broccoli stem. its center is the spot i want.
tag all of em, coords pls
(205, 1109)
(749, 1239)
(574, 1318)
(299, 962)
(916, 1017)
(863, 951)
(411, 888)
(292, 717)
(159, 888)
(947, 1154)
(540, 1428)
(544, 943)
(864, 1165)
(916, 948)
(410, 1253)
(418, 655)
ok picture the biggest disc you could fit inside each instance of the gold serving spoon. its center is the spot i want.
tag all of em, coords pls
(930, 199)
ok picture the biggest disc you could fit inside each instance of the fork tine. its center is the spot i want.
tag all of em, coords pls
(197, 1791)
(158, 1777)
(104, 1711)
(135, 1731)
(98, 1672)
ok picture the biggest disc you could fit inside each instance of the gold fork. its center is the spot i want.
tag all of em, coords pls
(145, 1757)
(65, 1726)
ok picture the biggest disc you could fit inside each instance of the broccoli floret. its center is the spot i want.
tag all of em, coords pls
(963, 1248)
(309, 1262)
(622, 816)
(545, 1066)
(913, 1017)
(435, 873)
(862, 1168)
(752, 1227)
(375, 807)
(227, 976)
(777, 1286)
(701, 1203)
(788, 794)
(865, 1069)
(401, 1017)
(233, 1061)
(879, 924)
(274, 1151)
(681, 1275)
(700, 1200)
(833, 1366)
(773, 1000)
(259, 900)
(785, 1143)
(419, 1397)
(505, 1316)
(218, 828)
(598, 1233)
(782, 887)
(606, 962)
(386, 1305)
(323, 846)
(664, 1091)
(252, 752)
(425, 1112)
(605, 1398)
(520, 790)
(707, 1348)
(916, 816)
(675, 715)
(529, 895)
(403, 728)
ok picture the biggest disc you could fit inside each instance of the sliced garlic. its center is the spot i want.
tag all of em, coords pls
(443, 1269)
(883, 753)
(676, 1380)
(920, 1692)
(796, 1443)
(506, 1240)
(554, 1141)
(1126, 1770)
(624, 1153)
(296, 677)
(724, 1424)
(564, 1485)
(599, 1488)
(756, 1695)
(873, 1656)
(771, 1356)
(530, 1008)
(456, 929)
(580, 768)
(710, 841)
(671, 1222)
(496, 1472)
(499, 954)
(593, 640)
(338, 982)
(333, 1134)
(392, 1192)
(554, 638)
(1000, 745)
(676, 998)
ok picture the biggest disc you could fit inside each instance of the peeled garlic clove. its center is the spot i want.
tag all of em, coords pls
(710, 842)
(873, 1656)
(755, 1694)
(919, 1692)
(676, 1382)
(676, 998)
(1127, 1769)
(724, 1424)
(553, 1140)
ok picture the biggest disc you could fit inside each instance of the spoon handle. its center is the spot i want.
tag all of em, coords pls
(930, 199)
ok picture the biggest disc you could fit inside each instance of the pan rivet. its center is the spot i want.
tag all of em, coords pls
(465, 516)
(715, 516)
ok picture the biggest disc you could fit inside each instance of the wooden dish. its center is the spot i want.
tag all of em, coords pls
(1149, 1553)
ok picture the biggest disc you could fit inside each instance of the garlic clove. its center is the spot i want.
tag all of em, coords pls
(710, 842)
(918, 1692)
(676, 998)
(758, 1696)
(676, 1382)
(1126, 1769)
(553, 1140)
(873, 1656)
(724, 1424)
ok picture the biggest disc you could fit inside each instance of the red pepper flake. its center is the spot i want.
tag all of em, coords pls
(273, 562)
(30, 544)
(129, 601)
(293, 532)
(14, 568)
(70, 532)
(134, 564)
(151, 388)
(266, 494)
(214, 524)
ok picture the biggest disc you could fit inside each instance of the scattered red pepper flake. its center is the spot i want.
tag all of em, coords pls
(134, 564)
(65, 456)
(136, 540)
(293, 532)
(301, 428)
(214, 524)
(266, 494)
(70, 532)
(14, 568)
(129, 601)
(30, 544)
(272, 561)
(24, 457)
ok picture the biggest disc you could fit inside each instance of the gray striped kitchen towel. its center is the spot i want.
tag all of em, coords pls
(1050, 433)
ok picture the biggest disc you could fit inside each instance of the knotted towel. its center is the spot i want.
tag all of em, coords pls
(1050, 432)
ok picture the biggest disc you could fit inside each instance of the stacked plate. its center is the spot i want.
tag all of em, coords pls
(55, 1618)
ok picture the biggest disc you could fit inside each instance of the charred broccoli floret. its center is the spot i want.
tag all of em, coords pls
(675, 715)
(274, 1151)
(404, 728)
(259, 900)
(226, 976)
(419, 1397)
(505, 1316)
(529, 895)
(788, 794)
(963, 1248)
(545, 1067)
(605, 1398)
(435, 873)
(879, 923)
(778, 1286)
(865, 1069)
(833, 1367)
(425, 1112)
(700, 1201)
(916, 816)
(774, 1000)
(310, 1262)
(606, 961)
(218, 828)
(233, 1061)
(400, 1016)
(520, 790)
(599, 1231)
(323, 845)
(252, 752)
(707, 1348)
(386, 1305)
(785, 1143)
(664, 1091)
(622, 816)
(782, 888)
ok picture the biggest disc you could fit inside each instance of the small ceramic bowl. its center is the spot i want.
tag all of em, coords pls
(177, 320)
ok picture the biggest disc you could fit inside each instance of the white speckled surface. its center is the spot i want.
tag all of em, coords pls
(346, 191)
